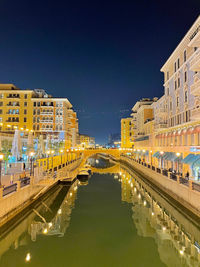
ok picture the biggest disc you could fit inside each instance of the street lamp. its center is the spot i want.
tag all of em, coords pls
(178, 155)
(1, 159)
(61, 151)
(31, 154)
(161, 153)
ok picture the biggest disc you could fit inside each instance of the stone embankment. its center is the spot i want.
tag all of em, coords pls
(186, 192)
(18, 196)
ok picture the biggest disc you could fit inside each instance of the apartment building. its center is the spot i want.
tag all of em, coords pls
(174, 138)
(37, 111)
(86, 141)
(127, 133)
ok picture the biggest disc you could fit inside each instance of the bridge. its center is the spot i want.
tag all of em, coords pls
(113, 152)
(112, 169)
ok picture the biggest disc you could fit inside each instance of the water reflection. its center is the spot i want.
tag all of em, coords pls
(52, 217)
(177, 238)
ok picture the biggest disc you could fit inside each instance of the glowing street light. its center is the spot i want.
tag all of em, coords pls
(1, 159)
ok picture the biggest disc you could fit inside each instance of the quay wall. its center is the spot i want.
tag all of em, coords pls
(40, 184)
(185, 195)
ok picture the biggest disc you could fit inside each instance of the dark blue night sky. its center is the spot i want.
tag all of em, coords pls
(102, 55)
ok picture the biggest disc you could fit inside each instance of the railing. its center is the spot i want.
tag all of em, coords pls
(196, 187)
(165, 172)
(184, 181)
(173, 176)
(46, 113)
(176, 177)
(9, 189)
(158, 170)
(25, 181)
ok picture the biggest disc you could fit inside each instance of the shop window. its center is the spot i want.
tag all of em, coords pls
(192, 139)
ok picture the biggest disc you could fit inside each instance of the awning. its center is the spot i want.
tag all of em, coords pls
(170, 156)
(197, 163)
(156, 155)
(190, 159)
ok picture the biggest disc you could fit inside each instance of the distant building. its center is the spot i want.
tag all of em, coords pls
(86, 141)
(114, 140)
(37, 111)
(127, 133)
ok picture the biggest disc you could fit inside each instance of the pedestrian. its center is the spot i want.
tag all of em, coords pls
(11, 179)
(187, 175)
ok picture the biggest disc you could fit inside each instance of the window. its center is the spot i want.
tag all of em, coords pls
(186, 96)
(170, 105)
(175, 67)
(38, 104)
(185, 76)
(178, 82)
(38, 127)
(175, 85)
(1, 95)
(192, 139)
(185, 56)
(25, 104)
(1, 111)
(25, 96)
(34, 104)
(177, 101)
(1, 104)
(195, 49)
(25, 119)
(178, 63)
(25, 111)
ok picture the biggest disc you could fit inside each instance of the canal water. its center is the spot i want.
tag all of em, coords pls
(111, 220)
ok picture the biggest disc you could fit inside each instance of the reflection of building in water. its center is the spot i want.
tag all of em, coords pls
(60, 222)
(154, 217)
(126, 195)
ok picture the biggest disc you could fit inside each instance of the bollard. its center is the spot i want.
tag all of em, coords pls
(1, 192)
(190, 184)
(18, 185)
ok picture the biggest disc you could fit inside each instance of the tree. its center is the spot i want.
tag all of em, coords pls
(6, 150)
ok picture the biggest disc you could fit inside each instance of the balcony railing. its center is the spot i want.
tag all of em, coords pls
(46, 121)
(46, 113)
(195, 88)
(195, 113)
(195, 62)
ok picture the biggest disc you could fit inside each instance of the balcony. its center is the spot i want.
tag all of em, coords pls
(46, 121)
(49, 105)
(195, 38)
(46, 113)
(13, 105)
(13, 96)
(160, 126)
(195, 88)
(195, 113)
(195, 62)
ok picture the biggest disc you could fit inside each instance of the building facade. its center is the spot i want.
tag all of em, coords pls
(170, 137)
(36, 111)
(86, 141)
(127, 133)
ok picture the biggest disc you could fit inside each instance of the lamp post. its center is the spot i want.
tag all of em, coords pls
(48, 152)
(61, 151)
(151, 157)
(178, 155)
(1, 159)
(52, 153)
(31, 154)
(161, 153)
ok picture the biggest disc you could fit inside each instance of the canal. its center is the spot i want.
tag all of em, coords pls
(112, 220)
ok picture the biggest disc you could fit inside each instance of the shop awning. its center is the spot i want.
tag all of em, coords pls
(156, 155)
(197, 163)
(190, 159)
(170, 156)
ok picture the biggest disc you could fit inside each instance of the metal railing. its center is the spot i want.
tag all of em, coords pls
(173, 176)
(196, 187)
(184, 181)
(25, 181)
(9, 189)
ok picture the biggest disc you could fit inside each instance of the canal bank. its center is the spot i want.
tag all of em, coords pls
(185, 195)
(115, 220)
(18, 201)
